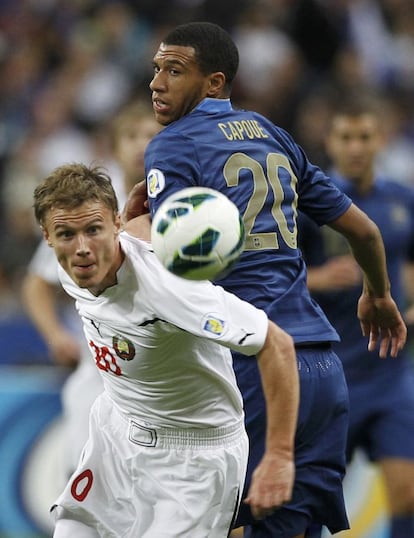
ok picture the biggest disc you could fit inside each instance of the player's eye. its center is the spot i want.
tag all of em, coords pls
(64, 234)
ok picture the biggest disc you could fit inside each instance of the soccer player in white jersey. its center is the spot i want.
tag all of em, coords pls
(167, 449)
(131, 130)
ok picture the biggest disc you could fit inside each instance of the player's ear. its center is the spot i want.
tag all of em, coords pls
(118, 223)
(46, 236)
(216, 82)
(328, 145)
(381, 140)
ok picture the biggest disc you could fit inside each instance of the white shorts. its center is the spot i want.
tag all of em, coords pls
(78, 394)
(135, 481)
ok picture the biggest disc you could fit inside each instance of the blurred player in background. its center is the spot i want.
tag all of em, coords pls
(260, 168)
(131, 130)
(52, 311)
(381, 392)
(167, 447)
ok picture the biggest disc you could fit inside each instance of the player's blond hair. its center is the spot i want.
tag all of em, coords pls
(69, 186)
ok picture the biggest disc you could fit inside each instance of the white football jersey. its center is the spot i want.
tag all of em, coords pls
(155, 339)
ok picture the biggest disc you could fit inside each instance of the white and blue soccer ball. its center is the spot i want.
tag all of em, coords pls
(197, 233)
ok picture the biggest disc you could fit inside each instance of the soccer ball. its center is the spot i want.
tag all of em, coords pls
(197, 233)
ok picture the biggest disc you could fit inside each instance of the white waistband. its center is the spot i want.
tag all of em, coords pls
(146, 435)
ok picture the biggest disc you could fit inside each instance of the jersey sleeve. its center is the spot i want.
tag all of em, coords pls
(180, 165)
(219, 315)
(320, 198)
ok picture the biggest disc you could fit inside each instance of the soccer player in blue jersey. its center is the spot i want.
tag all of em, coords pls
(381, 392)
(259, 167)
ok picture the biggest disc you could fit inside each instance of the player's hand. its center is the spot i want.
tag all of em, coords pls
(382, 323)
(137, 202)
(271, 485)
(64, 348)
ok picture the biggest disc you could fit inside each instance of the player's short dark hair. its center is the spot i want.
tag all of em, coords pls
(214, 49)
(358, 104)
(69, 186)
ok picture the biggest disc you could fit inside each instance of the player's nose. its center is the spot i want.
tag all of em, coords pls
(82, 247)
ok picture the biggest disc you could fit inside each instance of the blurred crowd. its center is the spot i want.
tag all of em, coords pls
(67, 66)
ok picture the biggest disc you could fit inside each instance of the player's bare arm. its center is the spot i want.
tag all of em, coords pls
(135, 215)
(39, 298)
(379, 316)
(137, 203)
(273, 478)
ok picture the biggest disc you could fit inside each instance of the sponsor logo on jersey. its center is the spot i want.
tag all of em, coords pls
(243, 339)
(213, 325)
(155, 182)
(123, 347)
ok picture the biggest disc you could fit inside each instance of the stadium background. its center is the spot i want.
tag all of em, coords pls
(66, 66)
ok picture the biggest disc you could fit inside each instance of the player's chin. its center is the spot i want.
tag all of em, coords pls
(163, 114)
(84, 281)
(163, 119)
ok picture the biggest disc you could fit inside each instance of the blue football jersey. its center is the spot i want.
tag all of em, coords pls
(391, 206)
(267, 175)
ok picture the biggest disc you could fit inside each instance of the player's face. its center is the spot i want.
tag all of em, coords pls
(353, 144)
(133, 139)
(85, 240)
(178, 84)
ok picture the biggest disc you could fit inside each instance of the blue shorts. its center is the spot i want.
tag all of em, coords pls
(382, 415)
(319, 446)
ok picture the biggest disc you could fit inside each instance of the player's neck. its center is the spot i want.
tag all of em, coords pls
(363, 184)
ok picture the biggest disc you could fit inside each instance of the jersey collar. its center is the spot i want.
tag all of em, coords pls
(211, 105)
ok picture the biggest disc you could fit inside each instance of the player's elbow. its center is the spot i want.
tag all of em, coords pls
(357, 227)
(280, 340)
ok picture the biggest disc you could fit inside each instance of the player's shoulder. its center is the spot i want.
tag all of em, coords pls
(130, 243)
(141, 254)
(156, 282)
(284, 138)
(170, 139)
(338, 181)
